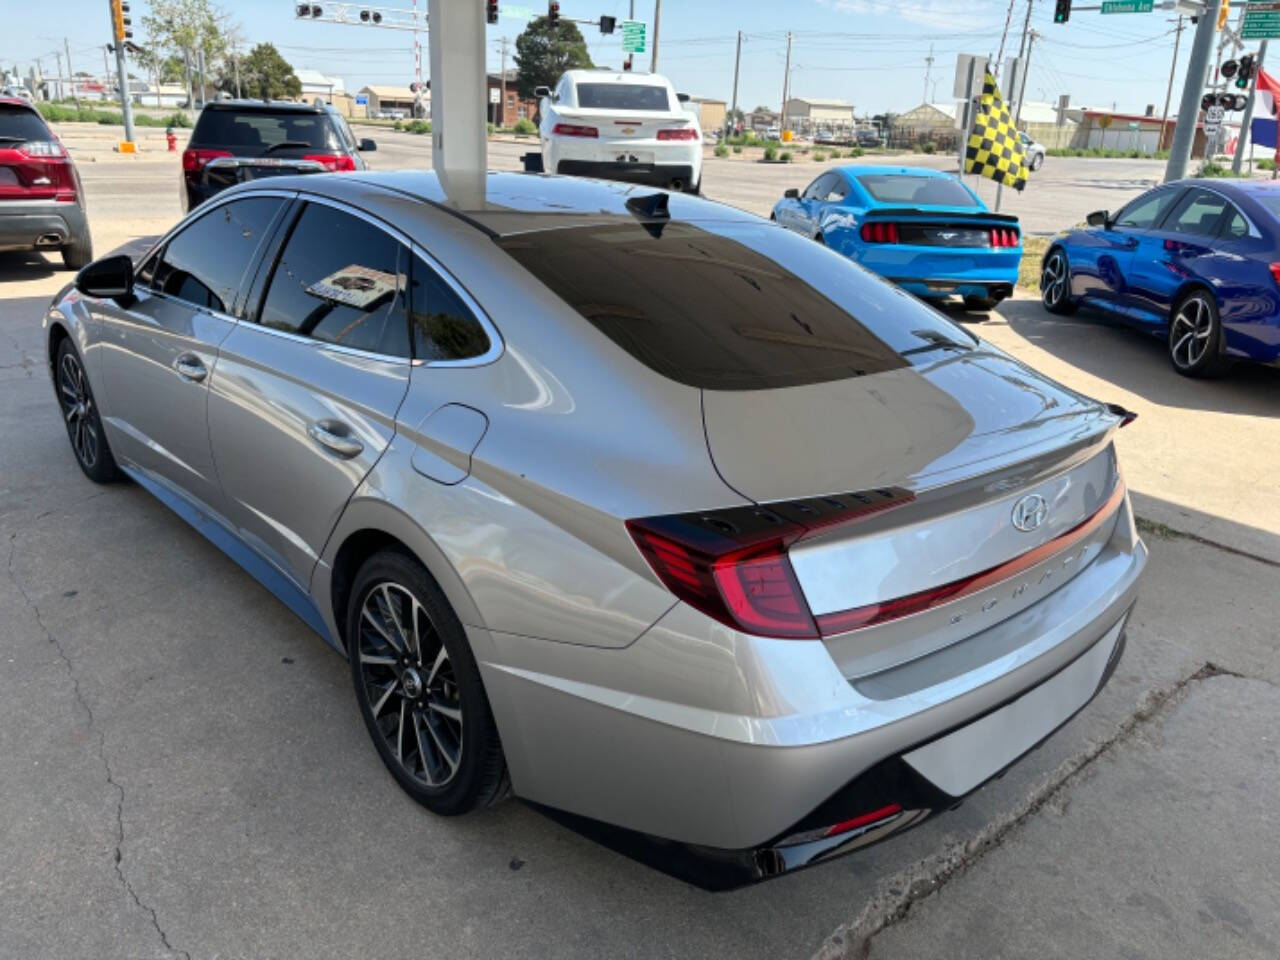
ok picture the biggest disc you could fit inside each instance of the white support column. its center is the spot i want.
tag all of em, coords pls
(458, 100)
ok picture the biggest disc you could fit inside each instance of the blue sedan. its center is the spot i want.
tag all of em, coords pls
(923, 229)
(1194, 262)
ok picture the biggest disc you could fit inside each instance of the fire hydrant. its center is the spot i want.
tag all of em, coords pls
(171, 139)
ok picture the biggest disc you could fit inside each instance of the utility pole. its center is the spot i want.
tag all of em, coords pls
(1022, 44)
(630, 16)
(204, 84)
(737, 61)
(1192, 88)
(1032, 37)
(106, 66)
(502, 86)
(786, 83)
(928, 70)
(657, 22)
(1245, 120)
(71, 73)
(235, 67)
(1168, 94)
(61, 92)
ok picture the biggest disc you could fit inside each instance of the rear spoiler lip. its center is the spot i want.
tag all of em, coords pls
(979, 217)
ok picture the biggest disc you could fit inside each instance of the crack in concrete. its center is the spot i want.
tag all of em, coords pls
(895, 897)
(1165, 532)
(101, 751)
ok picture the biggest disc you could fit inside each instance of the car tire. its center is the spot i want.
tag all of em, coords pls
(80, 415)
(78, 253)
(1055, 283)
(819, 239)
(419, 689)
(981, 304)
(1195, 336)
(695, 189)
(1037, 161)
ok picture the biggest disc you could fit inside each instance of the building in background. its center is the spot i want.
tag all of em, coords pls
(385, 99)
(316, 84)
(936, 122)
(505, 114)
(806, 115)
(711, 112)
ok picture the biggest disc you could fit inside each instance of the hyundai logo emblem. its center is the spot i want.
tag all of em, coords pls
(1029, 512)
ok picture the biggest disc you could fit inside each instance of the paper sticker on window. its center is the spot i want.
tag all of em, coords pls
(355, 286)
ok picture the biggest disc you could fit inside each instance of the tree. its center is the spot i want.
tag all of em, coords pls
(185, 28)
(264, 75)
(544, 52)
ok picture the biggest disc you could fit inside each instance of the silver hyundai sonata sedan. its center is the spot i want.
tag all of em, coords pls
(676, 524)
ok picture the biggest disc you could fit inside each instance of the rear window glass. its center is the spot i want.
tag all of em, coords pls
(730, 309)
(258, 129)
(20, 124)
(917, 191)
(623, 96)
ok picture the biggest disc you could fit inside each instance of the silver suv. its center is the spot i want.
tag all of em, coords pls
(663, 517)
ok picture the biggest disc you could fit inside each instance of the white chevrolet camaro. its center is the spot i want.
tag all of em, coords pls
(620, 126)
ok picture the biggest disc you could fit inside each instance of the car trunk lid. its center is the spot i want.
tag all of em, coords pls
(33, 163)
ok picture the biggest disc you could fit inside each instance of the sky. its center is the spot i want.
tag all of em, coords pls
(871, 53)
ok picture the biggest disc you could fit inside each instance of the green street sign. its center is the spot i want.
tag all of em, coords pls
(1261, 20)
(633, 36)
(1127, 6)
(1132, 125)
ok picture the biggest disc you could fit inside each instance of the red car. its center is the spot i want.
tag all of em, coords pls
(41, 198)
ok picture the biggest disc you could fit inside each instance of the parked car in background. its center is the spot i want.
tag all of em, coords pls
(235, 141)
(620, 126)
(1034, 151)
(868, 138)
(773, 133)
(923, 229)
(41, 197)
(824, 138)
(809, 563)
(1193, 262)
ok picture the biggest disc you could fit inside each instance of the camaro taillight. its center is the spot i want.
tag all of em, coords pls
(1003, 237)
(574, 130)
(683, 133)
(332, 161)
(879, 232)
(193, 161)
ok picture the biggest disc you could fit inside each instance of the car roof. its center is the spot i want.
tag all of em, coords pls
(514, 202)
(858, 169)
(616, 76)
(18, 102)
(275, 106)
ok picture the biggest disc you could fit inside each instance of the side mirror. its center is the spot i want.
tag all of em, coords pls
(366, 145)
(792, 194)
(107, 278)
(540, 92)
(682, 97)
(1099, 218)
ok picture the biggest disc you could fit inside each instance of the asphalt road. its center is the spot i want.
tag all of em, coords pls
(183, 771)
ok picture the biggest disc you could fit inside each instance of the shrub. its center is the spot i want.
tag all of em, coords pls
(398, 125)
(722, 150)
(1212, 169)
(819, 156)
(419, 126)
(737, 148)
(785, 156)
(929, 147)
(1266, 163)
(524, 126)
(771, 153)
(855, 152)
(489, 128)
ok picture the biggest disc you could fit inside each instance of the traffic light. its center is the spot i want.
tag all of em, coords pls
(553, 13)
(121, 24)
(370, 16)
(491, 11)
(607, 24)
(1224, 12)
(310, 10)
(1062, 11)
(1245, 73)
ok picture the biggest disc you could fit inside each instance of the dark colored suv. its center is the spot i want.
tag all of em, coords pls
(41, 199)
(239, 140)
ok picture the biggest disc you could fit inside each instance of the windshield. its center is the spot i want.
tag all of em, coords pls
(733, 306)
(259, 130)
(623, 96)
(917, 191)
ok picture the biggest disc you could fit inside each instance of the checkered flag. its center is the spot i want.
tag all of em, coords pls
(994, 150)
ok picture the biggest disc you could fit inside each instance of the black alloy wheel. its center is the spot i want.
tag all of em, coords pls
(80, 414)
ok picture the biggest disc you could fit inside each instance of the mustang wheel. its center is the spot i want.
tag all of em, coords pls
(1055, 283)
(1195, 337)
(80, 413)
(419, 689)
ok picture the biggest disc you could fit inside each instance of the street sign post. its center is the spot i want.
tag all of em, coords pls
(1261, 20)
(1127, 6)
(362, 99)
(633, 36)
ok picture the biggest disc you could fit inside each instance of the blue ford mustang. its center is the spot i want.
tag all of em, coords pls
(923, 229)
(1195, 262)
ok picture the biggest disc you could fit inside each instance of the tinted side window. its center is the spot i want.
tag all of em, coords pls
(1199, 213)
(340, 279)
(1235, 225)
(1144, 212)
(820, 187)
(443, 327)
(205, 264)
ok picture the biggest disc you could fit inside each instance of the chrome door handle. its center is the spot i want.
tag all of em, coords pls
(189, 366)
(326, 433)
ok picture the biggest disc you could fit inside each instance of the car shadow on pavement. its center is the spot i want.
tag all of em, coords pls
(1122, 355)
(27, 265)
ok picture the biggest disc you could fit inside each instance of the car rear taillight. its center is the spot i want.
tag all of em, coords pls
(332, 161)
(1275, 273)
(44, 171)
(193, 161)
(879, 232)
(732, 564)
(1003, 237)
(683, 133)
(574, 130)
(42, 148)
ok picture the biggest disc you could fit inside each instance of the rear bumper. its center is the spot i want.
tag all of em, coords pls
(653, 174)
(935, 289)
(742, 742)
(943, 271)
(23, 224)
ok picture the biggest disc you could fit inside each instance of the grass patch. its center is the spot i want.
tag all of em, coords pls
(1214, 170)
(785, 156)
(1106, 152)
(819, 156)
(1033, 249)
(737, 147)
(721, 150)
(1153, 528)
(1266, 163)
